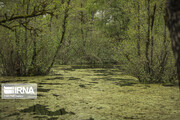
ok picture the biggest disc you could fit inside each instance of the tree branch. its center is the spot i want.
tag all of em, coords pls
(10, 28)
(33, 14)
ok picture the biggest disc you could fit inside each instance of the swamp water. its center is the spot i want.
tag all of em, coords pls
(86, 93)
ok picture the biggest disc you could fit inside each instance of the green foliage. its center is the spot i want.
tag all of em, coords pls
(161, 67)
(36, 34)
(32, 41)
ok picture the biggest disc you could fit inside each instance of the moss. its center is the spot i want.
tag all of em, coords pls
(100, 99)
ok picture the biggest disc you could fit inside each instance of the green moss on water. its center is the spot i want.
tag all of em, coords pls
(93, 97)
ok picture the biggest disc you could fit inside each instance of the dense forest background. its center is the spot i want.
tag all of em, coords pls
(37, 34)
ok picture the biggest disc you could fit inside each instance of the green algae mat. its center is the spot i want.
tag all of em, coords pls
(86, 93)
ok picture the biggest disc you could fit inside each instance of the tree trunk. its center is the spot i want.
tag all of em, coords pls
(82, 29)
(173, 19)
(148, 39)
(152, 37)
(139, 36)
(62, 36)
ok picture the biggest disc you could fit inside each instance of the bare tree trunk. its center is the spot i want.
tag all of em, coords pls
(164, 51)
(148, 39)
(82, 29)
(17, 63)
(26, 38)
(62, 36)
(152, 37)
(33, 62)
(173, 19)
(139, 36)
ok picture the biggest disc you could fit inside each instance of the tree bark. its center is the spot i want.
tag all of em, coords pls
(62, 36)
(152, 37)
(139, 36)
(173, 19)
(148, 39)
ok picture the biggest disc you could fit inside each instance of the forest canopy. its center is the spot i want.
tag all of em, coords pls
(36, 34)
